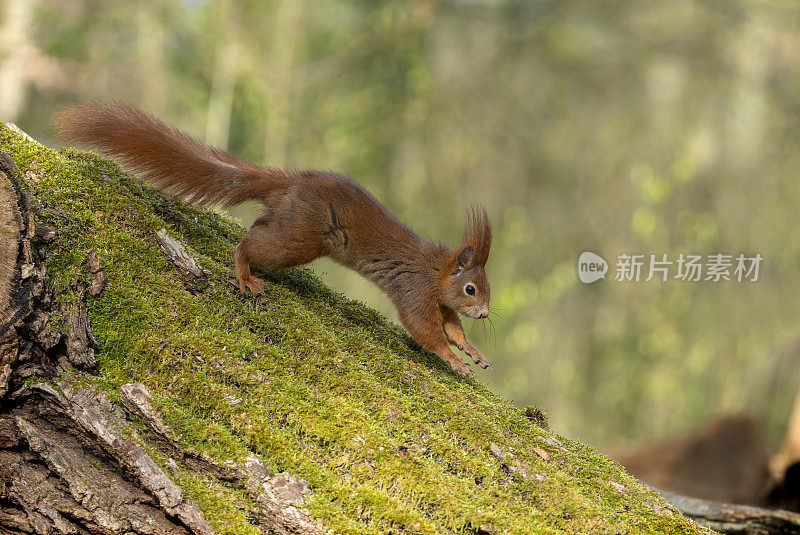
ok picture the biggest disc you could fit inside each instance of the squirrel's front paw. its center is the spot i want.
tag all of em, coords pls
(476, 356)
(462, 367)
(481, 360)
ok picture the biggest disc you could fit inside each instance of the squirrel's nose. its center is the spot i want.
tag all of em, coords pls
(484, 313)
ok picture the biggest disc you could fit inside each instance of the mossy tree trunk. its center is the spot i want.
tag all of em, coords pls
(66, 465)
(140, 393)
(67, 461)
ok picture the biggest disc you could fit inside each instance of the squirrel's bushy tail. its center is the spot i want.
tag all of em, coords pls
(169, 158)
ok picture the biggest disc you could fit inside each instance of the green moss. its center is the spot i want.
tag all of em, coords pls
(389, 439)
(226, 509)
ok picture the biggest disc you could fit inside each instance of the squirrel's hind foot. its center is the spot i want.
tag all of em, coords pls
(254, 284)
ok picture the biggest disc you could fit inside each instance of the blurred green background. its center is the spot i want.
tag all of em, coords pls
(667, 126)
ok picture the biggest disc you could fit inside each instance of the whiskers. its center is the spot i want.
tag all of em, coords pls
(494, 310)
(496, 313)
(490, 334)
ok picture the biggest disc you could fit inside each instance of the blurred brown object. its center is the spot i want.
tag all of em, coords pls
(789, 453)
(785, 466)
(725, 460)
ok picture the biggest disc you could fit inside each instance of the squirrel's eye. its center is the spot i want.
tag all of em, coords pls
(470, 289)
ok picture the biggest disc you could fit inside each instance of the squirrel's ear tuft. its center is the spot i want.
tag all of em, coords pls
(478, 234)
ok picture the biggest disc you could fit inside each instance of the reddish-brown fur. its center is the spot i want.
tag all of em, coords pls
(307, 214)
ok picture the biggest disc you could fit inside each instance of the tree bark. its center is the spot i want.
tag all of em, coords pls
(16, 280)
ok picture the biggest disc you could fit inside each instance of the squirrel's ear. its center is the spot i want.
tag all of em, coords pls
(464, 259)
(478, 233)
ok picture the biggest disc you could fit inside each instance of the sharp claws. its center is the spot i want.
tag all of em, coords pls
(466, 371)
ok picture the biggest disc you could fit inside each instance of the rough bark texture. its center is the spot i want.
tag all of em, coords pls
(188, 265)
(67, 469)
(16, 281)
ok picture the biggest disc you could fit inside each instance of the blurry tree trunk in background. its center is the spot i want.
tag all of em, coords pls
(13, 49)
(150, 47)
(280, 78)
(223, 82)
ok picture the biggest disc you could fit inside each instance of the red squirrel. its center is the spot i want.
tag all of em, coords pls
(307, 214)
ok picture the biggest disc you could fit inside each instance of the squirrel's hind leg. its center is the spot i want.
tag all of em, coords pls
(274, 246)
(246, 280)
